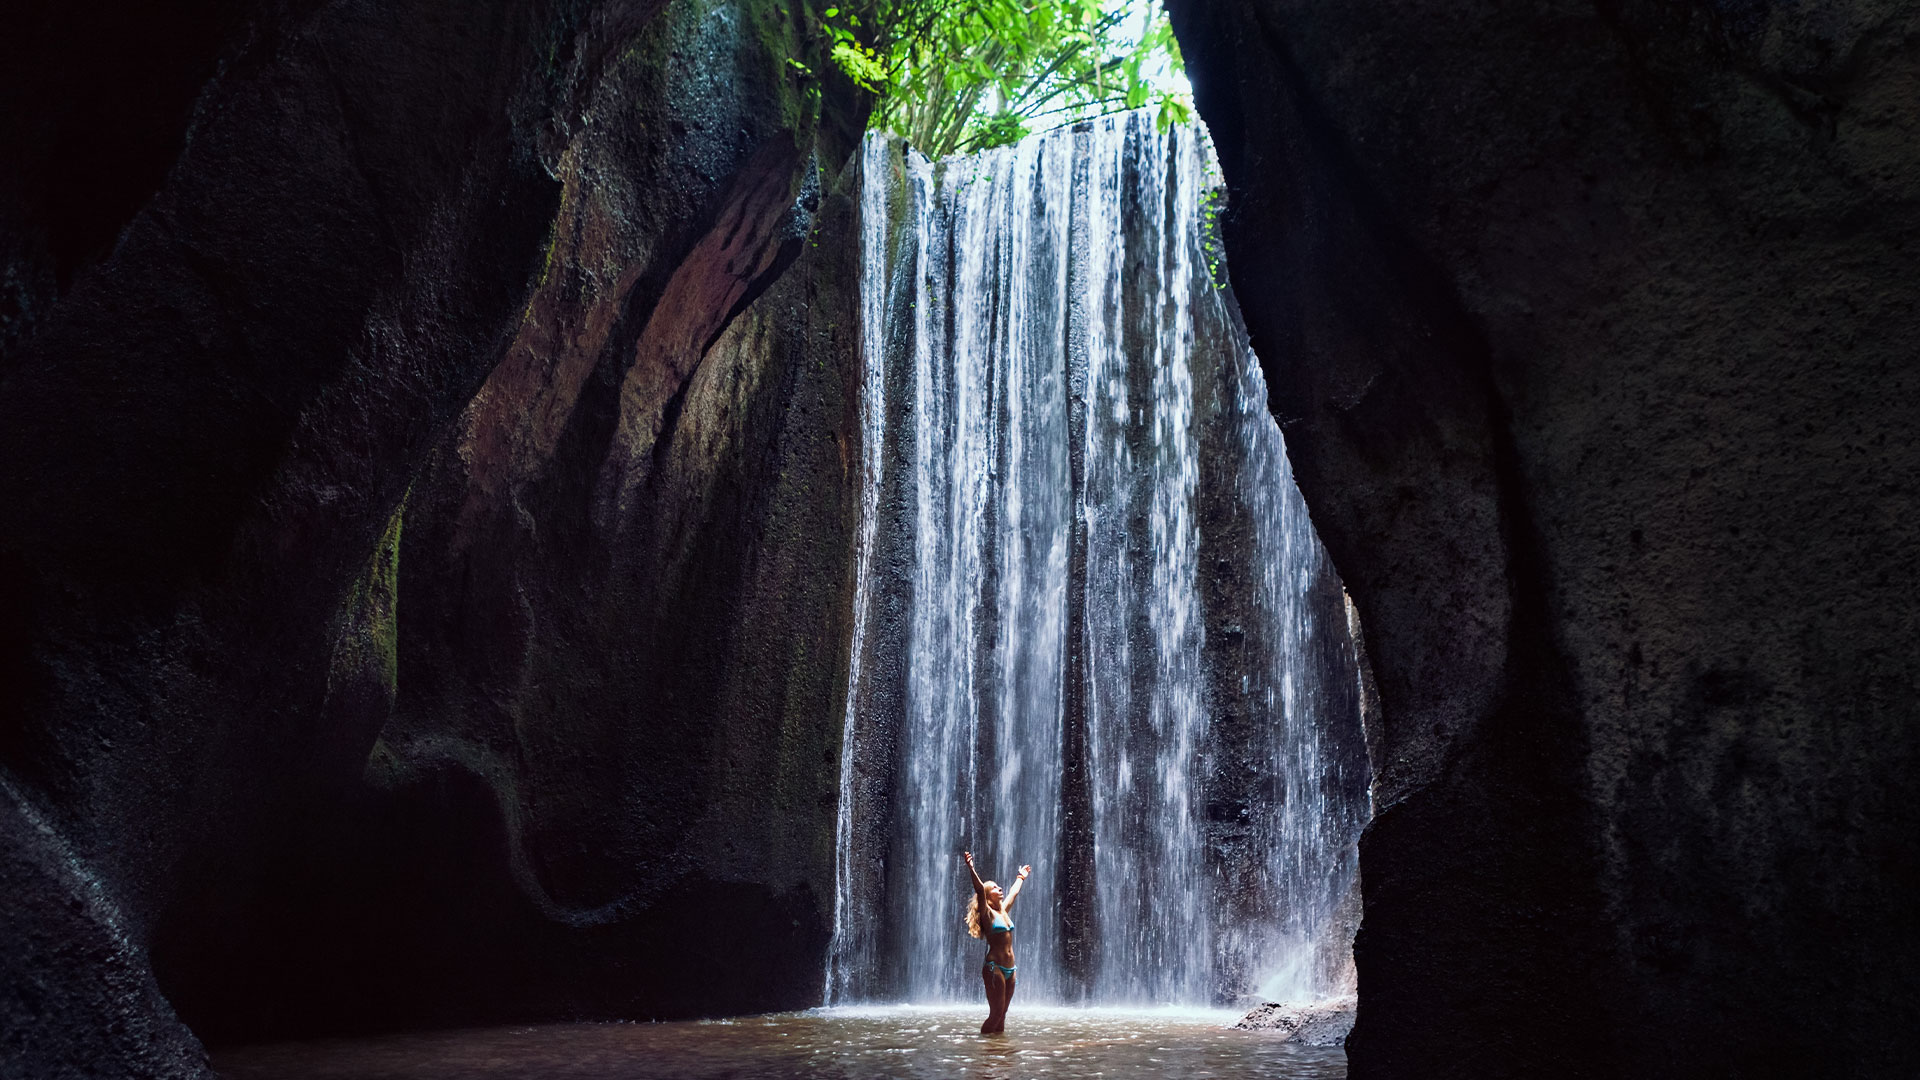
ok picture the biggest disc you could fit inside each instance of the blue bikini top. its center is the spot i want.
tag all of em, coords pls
(995, 925)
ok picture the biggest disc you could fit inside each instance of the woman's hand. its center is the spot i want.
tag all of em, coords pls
(1019, 882)
(968, 855)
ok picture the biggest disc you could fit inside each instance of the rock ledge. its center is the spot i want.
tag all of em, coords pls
(1310, 1023)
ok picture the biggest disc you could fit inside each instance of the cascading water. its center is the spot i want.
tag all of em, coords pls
(1093, 628)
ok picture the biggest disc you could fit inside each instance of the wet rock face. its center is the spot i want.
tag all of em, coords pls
(452, 339)
(1309, 1023)
(1590, 329)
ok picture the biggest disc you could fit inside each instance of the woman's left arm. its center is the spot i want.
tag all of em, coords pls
(1014, 892)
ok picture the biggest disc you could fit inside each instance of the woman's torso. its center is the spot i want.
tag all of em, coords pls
(998, 926)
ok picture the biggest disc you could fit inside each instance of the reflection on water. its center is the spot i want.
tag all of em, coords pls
(840, 1044)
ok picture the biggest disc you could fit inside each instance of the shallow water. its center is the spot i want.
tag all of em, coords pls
(841, 1044)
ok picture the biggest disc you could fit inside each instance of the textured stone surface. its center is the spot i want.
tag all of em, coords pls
(1309, 1023)
(1591, 330)
(62, 920)
(235, 450)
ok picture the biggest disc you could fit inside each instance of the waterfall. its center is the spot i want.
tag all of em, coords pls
(1093, 629)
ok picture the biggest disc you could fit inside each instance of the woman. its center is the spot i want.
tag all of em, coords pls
(987, 918)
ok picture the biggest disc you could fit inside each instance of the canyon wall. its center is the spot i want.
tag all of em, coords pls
(1591, 330)
(427, 512)
(429, 459)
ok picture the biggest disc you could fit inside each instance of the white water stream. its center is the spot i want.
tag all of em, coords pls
(1069, 476)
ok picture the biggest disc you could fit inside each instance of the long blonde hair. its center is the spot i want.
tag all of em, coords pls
(975, 928)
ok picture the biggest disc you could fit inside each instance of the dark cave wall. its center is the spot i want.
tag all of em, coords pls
(619, 606)
(290, 444)
(99, 95)
(1591, 331)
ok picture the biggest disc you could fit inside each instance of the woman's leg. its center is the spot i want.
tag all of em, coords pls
(1005, 1000)
(996, 1000)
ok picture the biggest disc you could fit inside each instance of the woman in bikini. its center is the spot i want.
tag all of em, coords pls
(987, 917)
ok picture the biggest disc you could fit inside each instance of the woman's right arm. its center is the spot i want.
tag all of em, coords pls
(979, 886)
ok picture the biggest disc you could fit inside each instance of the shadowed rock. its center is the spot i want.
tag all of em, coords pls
(1590, 329)
(390, 244)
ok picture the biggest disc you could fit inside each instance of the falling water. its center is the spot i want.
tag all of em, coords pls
(1093, 628)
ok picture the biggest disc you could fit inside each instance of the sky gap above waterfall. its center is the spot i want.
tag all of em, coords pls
(963, 77)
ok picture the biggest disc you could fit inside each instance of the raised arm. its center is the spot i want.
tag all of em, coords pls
(979, 887)
(1014, 893)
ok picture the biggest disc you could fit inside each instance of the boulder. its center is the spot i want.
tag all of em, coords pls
(1309, 1023)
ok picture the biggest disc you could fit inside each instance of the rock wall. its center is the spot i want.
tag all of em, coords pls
(1591, 330)
(329, 687)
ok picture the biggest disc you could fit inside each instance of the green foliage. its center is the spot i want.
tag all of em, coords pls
(953, 76)
(1212, 205)
(367, 638)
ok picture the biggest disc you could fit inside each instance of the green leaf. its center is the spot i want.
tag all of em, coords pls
(971, 74)
(860, 64)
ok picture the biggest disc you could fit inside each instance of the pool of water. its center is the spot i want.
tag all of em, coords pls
(838, 1044)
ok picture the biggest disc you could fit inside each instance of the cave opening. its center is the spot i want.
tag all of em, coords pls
(476, 571)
